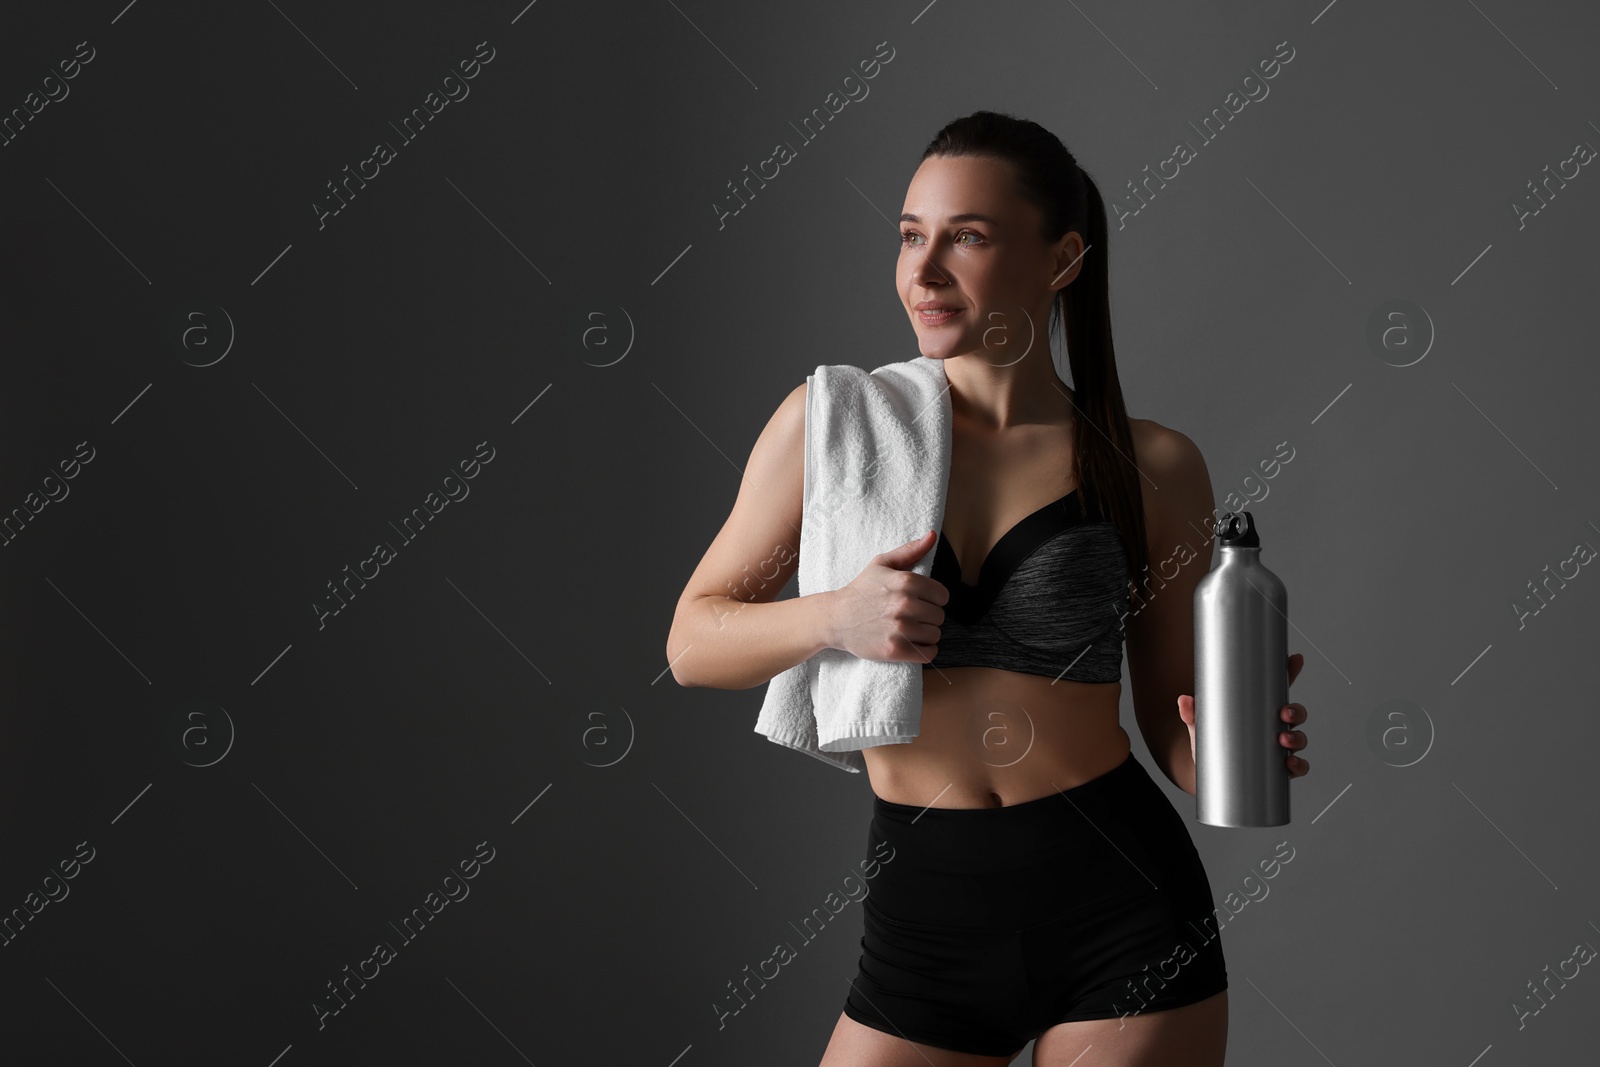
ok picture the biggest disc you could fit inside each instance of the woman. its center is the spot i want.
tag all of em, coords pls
(1041, 887)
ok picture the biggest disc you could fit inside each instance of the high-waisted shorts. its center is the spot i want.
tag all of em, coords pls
(985, 927)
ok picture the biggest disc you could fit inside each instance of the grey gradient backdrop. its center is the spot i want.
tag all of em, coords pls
(263, 795)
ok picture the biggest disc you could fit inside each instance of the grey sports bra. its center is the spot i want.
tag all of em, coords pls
(1051, 598)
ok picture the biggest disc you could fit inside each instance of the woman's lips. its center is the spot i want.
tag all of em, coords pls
(936, 318)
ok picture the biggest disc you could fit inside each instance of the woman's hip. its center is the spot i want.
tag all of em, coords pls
(1096, 849)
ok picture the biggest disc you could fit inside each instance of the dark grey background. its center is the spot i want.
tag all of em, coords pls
(503, 679)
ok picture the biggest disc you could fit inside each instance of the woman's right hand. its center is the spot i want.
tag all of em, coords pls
(889, 612)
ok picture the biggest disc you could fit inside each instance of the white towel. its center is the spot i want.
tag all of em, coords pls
(877, 468)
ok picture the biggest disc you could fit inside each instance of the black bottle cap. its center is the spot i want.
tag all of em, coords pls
(1237, 529)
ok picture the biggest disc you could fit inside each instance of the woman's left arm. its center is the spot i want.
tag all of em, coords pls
(1179, 512)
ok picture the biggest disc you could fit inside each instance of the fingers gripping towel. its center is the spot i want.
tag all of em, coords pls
(877, 468)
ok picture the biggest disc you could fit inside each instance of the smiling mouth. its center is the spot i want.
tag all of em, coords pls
(935, 316)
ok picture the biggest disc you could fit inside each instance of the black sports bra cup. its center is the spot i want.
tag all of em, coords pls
(1050, 598)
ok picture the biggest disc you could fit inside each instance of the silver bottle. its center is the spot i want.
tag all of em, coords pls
(1241, 681)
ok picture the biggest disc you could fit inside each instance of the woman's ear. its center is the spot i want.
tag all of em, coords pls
(1068, 259)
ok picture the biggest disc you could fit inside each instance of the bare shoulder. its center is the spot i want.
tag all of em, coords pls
(790, 418)
(758, 548)
(773, 477)
(781, 448)
(1175, 482)
(1161, 450)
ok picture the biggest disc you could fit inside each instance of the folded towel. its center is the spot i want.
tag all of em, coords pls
(877, 468)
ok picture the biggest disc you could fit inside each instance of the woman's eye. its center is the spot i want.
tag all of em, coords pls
(970, 233)
(906, 237)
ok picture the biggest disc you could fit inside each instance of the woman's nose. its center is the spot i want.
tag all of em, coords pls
(928, 268)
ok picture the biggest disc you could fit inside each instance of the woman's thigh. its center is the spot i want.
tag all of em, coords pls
(1195, 1035)
(855, 1045)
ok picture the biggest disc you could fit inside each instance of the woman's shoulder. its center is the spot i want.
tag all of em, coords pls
(1161, 446)
(788, 421)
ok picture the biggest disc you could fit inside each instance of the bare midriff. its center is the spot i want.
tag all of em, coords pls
(990, 738)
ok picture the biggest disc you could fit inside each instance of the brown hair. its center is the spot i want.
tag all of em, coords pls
(1048, 175)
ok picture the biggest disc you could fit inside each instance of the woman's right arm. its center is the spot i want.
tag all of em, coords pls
(729, 630)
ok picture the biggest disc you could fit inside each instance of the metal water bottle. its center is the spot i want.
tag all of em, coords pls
(1241, 680)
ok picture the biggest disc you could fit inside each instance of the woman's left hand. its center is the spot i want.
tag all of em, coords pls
(1293, 714)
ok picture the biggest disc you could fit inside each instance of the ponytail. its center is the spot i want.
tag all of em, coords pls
(1102, 442)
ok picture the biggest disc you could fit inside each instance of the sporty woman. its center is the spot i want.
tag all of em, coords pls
(1042, 887)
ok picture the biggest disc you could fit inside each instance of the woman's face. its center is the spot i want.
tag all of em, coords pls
(970, 242)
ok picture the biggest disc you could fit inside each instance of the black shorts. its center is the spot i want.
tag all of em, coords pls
(987, 926)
